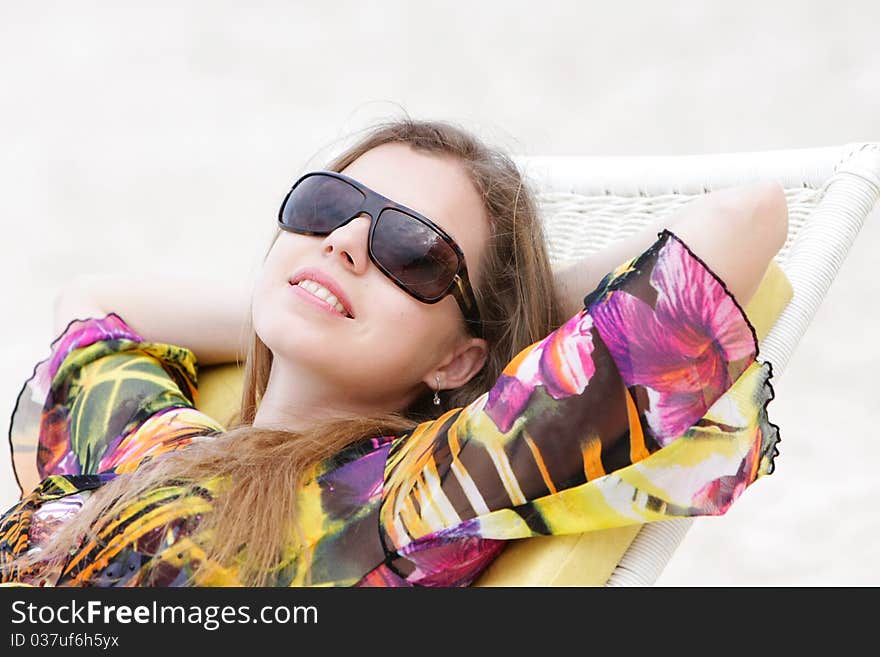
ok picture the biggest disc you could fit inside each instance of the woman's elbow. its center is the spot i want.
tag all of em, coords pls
(753, 228)
(770, 215)
(74, 301)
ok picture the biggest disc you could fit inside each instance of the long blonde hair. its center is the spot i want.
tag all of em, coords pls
(263, 468)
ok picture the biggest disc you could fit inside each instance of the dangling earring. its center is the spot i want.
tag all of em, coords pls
(437, 392)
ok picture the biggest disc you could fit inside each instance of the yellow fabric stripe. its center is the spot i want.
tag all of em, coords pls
(447, 512)
(66, 487)
(539, 461)
(138, 528)
(430, 512)
(505, 472)
(637, 449)
(130, 510)
(112, 401)
(416, 451)
(471, 491)
(114, 371)
(17, 534)
(98, 372)
(592, 453)
(399, 536)
(411, 520)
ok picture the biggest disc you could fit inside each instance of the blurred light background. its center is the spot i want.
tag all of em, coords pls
(163, 137)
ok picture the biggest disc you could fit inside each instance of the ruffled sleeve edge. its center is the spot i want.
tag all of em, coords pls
(769, 430)
(40, 380)
(720, 281)
(615, 278)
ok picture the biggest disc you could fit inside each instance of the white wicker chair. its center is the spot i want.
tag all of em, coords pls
(588, 202)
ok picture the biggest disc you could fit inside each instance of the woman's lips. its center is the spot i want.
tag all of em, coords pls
(321, 277)
(305, 295)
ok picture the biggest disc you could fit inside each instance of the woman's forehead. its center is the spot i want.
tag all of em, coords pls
(432, 185)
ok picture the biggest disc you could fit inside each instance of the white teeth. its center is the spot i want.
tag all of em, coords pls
(322, 293)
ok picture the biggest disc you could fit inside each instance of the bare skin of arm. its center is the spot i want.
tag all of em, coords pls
(735, 231)
(195, 313)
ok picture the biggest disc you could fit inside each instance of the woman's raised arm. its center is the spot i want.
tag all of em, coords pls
(614, 418)
(195, 313)
(736, 231)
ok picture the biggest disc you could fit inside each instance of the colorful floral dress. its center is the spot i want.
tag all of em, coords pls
(647, 404)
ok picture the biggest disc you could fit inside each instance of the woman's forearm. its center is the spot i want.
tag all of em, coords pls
(205, 316)
(735, 231)
(582, 276)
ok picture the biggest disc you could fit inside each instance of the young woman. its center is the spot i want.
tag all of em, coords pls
(419, 387)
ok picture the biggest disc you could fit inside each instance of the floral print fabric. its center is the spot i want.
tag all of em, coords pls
(647, 404)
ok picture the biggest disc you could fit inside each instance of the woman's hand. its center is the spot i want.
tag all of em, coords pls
(195, 313)
(735, 231)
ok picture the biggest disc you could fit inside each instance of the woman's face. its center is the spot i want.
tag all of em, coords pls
(394, 343)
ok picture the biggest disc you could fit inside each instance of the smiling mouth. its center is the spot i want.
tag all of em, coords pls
(323, 302)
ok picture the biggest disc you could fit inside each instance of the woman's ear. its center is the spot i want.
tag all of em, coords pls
(462, 364)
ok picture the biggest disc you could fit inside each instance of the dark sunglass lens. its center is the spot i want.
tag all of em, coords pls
(319, 204)
(415, 253)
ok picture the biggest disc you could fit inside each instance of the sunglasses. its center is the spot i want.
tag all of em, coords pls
(410, 249)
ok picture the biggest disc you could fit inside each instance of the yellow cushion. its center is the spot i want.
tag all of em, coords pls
(219, 393)
(575, 560)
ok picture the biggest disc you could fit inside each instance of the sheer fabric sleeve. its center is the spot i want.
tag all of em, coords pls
(648, 404)
(103, 400)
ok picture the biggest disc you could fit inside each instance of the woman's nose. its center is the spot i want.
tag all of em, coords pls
(351, 240)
